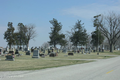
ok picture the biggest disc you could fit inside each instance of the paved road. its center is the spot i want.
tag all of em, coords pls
(105, 69)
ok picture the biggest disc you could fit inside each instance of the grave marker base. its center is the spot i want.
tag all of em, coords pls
(35, 57)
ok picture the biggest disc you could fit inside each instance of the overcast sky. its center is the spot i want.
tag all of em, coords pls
(40, 12)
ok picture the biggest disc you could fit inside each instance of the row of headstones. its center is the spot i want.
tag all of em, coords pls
(36, 54)
(10, 56)
(77, 51)
(100, 50)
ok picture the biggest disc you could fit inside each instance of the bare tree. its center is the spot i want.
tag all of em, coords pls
(30, 34)
(110, 27)
(45, 45)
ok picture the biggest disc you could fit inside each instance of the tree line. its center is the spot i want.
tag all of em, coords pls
(106, 27)
(20, 38)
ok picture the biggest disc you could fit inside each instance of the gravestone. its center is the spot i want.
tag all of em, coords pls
(16, 52)
(1, 51)
(20, 48)
(52, 50)
(11, 52)
(4, 51)
(86, 50)
(78, 51)
(48, 51)
(64, 50)
(99, 50)
(102, 50)
(28, 53)
(32, 49)
(35, 54)
(82, 50)
(38, 49)
(9, 58)
(26, 49)
(94, 50)
(89, 50)
(7, 49)
(70, 54)
(44, 51)
(41, 49)
(42, 55)
(52, 54)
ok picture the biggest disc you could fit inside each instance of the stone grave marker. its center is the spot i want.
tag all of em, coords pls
(42, 55)
(64, 50)
(32, 49)
(86, 50)
(7, 49)
(102, 50)
(52, 54)
(16, 52)
(20, 48)
(89, 50)
(9, 57)
(11, 52)
(1, 51)
(28, 53)
(35, 54)
(49, 52)
(52, 49)
(44, 51)
(99, 49)
(82, 50)
(70, 54)
(26, 49)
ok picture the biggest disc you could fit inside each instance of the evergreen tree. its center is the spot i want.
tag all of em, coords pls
(97, 38)
(79, 35)
(55, 36)
(9, 34)
(22, 30)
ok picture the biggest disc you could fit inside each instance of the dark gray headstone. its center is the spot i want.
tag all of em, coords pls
(70, 54)
(11, 52)
(16, 52)
(44, 51)
(9, 58)
(26, 49)
(52, 54)
(28, 53)
(1, 51)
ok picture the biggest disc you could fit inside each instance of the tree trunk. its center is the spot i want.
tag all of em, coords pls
(111, 47)
(54, 46)
(114, 48)
(96, 48)
(28, 45)
(9, 46)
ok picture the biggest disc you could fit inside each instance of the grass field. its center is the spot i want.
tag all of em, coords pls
(26, 62)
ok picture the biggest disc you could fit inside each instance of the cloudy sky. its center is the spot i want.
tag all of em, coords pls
(40, 12)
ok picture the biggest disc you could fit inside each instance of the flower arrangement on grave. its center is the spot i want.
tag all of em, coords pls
(9, 55)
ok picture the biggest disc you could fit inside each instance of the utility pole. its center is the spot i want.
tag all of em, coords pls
(98, 41)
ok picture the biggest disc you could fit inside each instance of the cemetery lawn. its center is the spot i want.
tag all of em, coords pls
(26, 62)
